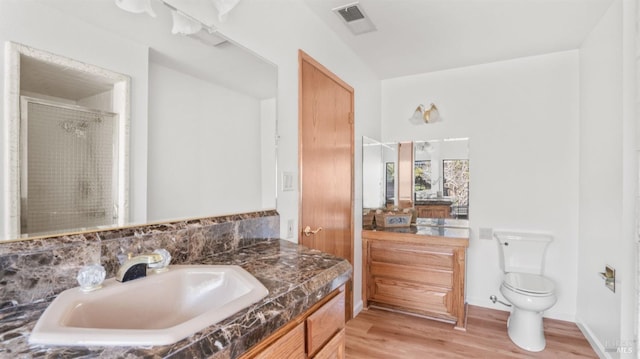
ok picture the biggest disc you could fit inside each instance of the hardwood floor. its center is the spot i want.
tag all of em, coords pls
(376, 333)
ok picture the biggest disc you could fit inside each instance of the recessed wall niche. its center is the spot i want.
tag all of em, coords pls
(66, 144)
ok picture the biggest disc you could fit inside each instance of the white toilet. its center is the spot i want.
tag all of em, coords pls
(529, 292)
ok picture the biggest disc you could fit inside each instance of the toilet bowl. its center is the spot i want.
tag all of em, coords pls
(529, 292)
(530, 295)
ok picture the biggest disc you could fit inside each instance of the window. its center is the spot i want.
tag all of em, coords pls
(390, 181)
(455, 174)
(421, 176)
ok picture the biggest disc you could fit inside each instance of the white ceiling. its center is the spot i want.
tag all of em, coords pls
(418, 36)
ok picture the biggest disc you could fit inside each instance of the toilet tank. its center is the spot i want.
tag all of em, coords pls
(522, 252)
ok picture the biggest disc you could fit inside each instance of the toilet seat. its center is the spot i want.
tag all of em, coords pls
(529, 284)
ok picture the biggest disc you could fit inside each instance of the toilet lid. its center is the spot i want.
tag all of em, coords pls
(530, 283)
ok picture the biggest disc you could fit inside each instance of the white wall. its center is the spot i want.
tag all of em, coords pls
(521, 118)
(268, 143)
(40, 27)
(373, 174)
(204, 143)
(607, 184)
(269, 29)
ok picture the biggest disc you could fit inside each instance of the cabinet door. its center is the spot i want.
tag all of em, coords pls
(412, 296)
(324, 323)
(334, 349)
(291, 345)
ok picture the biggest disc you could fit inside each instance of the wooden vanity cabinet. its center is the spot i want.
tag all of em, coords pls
(317, 333)
(416, 274)
(433, 210)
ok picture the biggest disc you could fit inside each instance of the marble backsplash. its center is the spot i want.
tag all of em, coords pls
(33, 270)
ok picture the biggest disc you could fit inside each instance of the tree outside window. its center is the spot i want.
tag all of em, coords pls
(422, 178)
(456, 181)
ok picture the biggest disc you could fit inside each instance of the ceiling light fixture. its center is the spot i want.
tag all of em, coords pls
(422, 115)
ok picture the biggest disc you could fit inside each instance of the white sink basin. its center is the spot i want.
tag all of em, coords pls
(156, 310)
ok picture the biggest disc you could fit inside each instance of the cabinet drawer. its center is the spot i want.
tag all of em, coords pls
(335, 349)
(411, 255)
(437, 277)
(291, 345)
(325, 323)
(411, 296)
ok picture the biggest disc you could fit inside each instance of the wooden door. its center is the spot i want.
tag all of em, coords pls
(326, 162)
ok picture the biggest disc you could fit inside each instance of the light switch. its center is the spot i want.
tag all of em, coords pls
(287, 181)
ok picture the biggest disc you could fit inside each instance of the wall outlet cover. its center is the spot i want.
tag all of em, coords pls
(290, 228)
(486, 233)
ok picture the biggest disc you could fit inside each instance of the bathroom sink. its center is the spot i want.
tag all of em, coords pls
(159, 309)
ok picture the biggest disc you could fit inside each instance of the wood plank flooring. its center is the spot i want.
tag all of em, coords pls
(377, 333)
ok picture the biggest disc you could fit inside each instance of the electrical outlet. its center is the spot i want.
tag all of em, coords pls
(290, 228)
(486, 233)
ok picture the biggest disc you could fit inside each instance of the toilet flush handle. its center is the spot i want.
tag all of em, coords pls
(494, 299)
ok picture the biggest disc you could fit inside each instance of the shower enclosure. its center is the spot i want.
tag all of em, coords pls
(68, 167)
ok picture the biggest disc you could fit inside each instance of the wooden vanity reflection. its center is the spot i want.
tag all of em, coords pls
(418, 270)
(433, 208)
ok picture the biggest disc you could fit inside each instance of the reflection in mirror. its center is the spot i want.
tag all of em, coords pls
(435, 181)
(379, 183)
(202, 110)
(68, 123)
(441, 178)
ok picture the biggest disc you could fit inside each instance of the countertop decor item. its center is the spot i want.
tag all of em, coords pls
(393, 219)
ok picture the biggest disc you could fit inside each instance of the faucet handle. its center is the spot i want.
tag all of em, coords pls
(90, 277)
(163, 265)
(123, 257)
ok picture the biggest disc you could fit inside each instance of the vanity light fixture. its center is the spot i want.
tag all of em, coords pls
(184, 24)
(422, 115)
(223, 7)
(136, 6)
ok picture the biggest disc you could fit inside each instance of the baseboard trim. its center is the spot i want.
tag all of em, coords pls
(593, 340)
(357, 308)
(486, 303)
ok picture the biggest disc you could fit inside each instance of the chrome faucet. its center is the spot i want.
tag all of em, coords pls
(136, 267)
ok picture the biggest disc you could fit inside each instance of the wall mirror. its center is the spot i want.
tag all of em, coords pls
(200, 115)
(430, 176)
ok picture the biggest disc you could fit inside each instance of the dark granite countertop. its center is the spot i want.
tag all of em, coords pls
(296, 276)
(431, 227)
(445, 232)
(443, 222)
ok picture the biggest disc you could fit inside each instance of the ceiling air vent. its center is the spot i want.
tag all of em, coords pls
(355, 18)
(351, 13)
